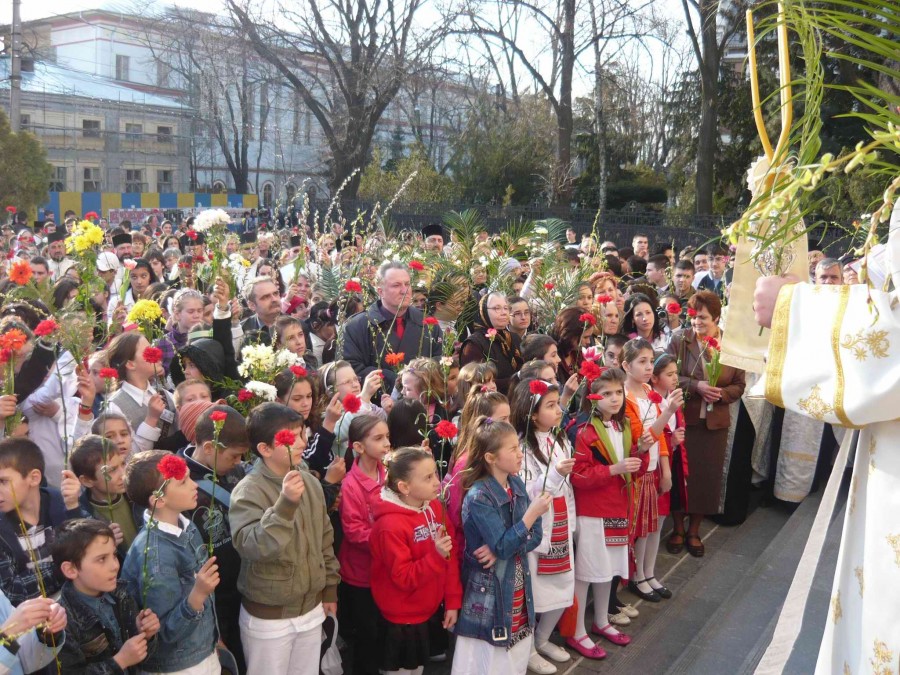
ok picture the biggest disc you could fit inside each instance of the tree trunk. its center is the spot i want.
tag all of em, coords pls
(564, 112)
(708, 133)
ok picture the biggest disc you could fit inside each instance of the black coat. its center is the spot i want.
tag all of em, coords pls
(364, 336)
(478, 348)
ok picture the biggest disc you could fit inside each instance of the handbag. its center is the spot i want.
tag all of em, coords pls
(331, 657)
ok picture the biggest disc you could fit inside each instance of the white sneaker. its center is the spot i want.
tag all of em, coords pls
(629, 611)
(554, 652)
(538, 665)
(620, 619)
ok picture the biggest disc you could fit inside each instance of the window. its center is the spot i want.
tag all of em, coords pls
(219, 187)
(134, 180)
(164, 134)
(268, 195)
(291, 191)
(25, 122)
(133, 132)
(91, 179)
(163, 73)
(164, 180)
(90, 128)
(58, 179)
(122, 67)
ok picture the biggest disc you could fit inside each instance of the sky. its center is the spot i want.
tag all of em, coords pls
(649, 60)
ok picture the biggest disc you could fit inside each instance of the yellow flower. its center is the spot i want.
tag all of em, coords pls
(245, 262)
(84, 236)
(145, 310)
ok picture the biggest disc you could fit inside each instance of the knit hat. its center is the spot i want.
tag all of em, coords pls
(188, 415)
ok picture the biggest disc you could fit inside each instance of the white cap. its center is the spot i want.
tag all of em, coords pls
(108, 262)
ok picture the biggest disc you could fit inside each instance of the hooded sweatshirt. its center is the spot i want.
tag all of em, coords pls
(358, 491)
(410, 578)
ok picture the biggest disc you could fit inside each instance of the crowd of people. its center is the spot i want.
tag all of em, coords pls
(237, 449)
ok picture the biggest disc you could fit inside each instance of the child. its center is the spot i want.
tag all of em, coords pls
(471, 376)
(497, 512)
(602, 481)
(369, 443)
(673, 493)
(282, 532)
(548, 461)
(30, 512)
(205, 461)
(339, 378)
(414, 564)
(637, 360)
(116, 429)
(150, 413)
(101, 470)
(423, 380)
(190, 391)
(106, 633)
(612, 352)
(180, 576)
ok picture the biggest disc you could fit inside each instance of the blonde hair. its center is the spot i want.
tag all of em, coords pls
(430, 378)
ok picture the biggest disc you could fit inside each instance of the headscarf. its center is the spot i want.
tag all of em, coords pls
(504, 338)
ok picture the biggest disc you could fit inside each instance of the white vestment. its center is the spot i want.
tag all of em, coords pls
(834, 356)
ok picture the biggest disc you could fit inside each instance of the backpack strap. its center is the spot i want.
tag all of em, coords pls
(222, 495)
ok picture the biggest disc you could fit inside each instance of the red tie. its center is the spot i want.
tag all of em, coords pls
(398, 327)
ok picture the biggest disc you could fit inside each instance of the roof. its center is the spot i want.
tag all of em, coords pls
(50, 78)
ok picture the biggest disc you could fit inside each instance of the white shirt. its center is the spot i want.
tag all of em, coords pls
(145, 436)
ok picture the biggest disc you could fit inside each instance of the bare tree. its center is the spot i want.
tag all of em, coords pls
(718, 22)
(346, 61)
(569, 35)
(221, 76)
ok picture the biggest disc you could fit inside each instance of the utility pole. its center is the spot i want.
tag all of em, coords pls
(15, 74)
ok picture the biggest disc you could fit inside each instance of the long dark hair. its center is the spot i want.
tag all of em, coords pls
(567, 330)
(522, 407)
(487, 434)
(633, 301)
(616, 375)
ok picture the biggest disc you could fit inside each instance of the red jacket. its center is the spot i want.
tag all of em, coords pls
(358, 491)
(409, 577)
(599, 494)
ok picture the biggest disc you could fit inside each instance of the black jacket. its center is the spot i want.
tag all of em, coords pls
(90, 645)
(364, 336)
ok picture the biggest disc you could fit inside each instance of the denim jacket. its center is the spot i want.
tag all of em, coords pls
(185, 637)
(91, 643)
(489, 517)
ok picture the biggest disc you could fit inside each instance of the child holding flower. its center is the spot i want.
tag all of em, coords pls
(339, 378)
(280, 528)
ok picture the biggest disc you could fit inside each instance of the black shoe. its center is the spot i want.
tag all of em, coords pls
(652, 596)
(662, 591)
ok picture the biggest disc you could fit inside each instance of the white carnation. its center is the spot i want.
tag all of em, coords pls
(286, 358)
(205, 220)
(255, 359)
(267, 392)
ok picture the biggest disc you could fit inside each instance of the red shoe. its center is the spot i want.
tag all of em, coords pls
(593, 652)
(616, 637)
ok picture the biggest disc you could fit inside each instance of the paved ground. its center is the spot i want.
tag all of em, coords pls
(725, 605)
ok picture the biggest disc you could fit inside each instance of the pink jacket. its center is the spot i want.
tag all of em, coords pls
(358, 491)
(453, 489)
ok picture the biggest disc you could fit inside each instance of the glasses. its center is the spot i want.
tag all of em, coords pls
(522, 314)
(500, 309)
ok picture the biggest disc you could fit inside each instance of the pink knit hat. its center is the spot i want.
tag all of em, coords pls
(188, 415)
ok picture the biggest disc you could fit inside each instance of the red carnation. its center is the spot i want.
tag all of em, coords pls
(655, 397)
(218, 416)
(603, 299)
(588, 318)
(153, 355)
(595, 397)
(92, 215)
(285, 437)
(109, 374)
(199, 258)
(538, 387)
(430, 321)
(5, 355)
(244, 395)
(446, 429)
(353, 287)
(172, 467)
(590, 370)
(673, 308)
(712, 343)
(11, 209)
(299, 371)
(691, 312)
(46, 327)
(351, 403)
(548, 286)
(191, 235)
(416, 265)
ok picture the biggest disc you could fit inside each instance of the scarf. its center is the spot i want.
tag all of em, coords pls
(504, 338)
